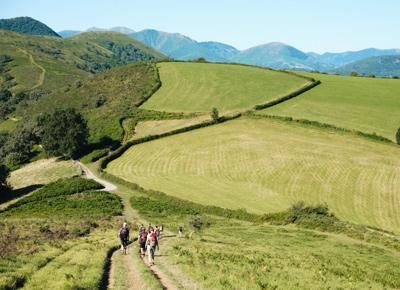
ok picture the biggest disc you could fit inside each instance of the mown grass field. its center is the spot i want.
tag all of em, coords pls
(364, 104)
(267, 165)
(198, 87)
(58, 237)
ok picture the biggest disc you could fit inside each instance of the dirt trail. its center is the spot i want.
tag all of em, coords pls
(132, 274)
(108, 186)
(33, 62)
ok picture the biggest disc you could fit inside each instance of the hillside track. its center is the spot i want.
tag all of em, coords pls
(132, 275)
(41, 68)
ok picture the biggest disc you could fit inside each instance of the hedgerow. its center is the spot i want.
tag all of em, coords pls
(291, 95)
(372, 136)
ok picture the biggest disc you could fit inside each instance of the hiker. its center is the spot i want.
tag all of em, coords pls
(124, 237)
(180, 230)
(141, 229)
(149, 228)
(161, 228)
(158, 232)
(152, 244)
(142, 242)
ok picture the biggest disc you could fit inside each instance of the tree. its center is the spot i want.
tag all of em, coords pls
(4, 172)
(398, 136)
(215, 115)
(5, 95)
(354, 74)
(64, 132)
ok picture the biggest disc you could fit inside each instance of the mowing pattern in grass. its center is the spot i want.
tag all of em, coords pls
(365, 104)
(43, 172)
(267, 165)
(198, 87)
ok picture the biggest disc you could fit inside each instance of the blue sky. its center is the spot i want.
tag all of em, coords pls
(310, 25)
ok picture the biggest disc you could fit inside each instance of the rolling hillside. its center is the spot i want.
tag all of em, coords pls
(364, 104)
(198, 87)
(27, 25)
(266, 166)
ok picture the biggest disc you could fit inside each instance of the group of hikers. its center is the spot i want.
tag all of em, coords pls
(148, 240)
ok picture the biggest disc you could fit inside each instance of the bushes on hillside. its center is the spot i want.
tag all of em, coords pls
(398, 136)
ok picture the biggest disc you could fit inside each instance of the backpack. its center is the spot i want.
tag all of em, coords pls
(143, 237)
(123, 233)
(153, 240)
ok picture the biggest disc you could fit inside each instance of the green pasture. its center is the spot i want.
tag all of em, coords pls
(267, 165)
(198, 87)
(365, 104)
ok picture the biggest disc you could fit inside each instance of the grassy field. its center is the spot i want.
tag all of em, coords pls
(146, 128)
(58, 237)
(365, 104)
(267, 165)
(198, 87)
(42, 172)
(224, 253)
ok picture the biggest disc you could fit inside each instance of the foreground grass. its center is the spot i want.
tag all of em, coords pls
(231, 254)
(43, 172)
(198, 87)
(267, 165)
(364, 104)
(58, 237)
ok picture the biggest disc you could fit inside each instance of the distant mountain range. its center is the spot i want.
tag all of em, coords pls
(380, 62)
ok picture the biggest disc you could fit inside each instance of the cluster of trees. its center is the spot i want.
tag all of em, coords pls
(61, 133)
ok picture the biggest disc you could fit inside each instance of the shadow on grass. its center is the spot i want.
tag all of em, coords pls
(13, 194)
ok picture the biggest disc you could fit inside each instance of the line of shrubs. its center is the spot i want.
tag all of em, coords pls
(372, 136)
(123, 148)
(289, 96)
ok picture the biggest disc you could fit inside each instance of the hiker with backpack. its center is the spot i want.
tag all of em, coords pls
(149, 228)
(152, 244)
(142, 242)
(158, 232)
(124, 237)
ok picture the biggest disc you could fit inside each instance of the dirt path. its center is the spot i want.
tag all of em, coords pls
(108, 186)
(132, 275)
(33, 62)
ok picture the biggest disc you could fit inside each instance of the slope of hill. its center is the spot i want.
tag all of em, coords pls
(267, 165)
(104, 99)
(37, 62)
(198, 87)
(365, 104)
(377, 65)
(120, 29)
(27, 25)
(182, 47)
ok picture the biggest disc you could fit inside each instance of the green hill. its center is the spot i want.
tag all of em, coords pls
(377, 65)
(198, 87)
(27, 25)
(364, 104)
